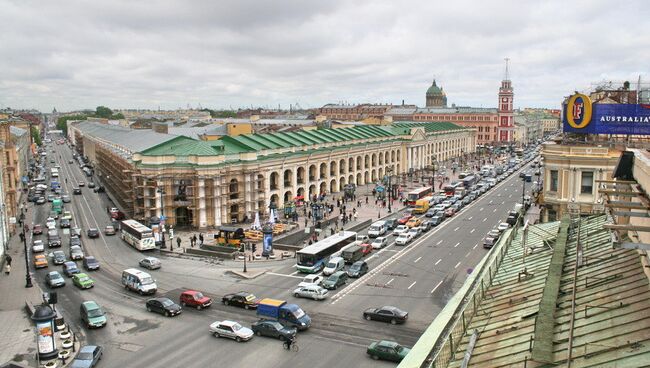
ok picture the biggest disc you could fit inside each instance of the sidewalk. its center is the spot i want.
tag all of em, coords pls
(17, 335)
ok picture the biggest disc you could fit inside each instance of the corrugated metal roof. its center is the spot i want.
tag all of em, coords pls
(429, 127)
(612, 314)
(183, 146)
(456, 110)
(130, 139)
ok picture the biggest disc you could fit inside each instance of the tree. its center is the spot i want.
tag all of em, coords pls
(36, 136)
(62, 122)
(103, 112)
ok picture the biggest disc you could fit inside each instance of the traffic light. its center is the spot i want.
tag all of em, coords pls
(254, 247)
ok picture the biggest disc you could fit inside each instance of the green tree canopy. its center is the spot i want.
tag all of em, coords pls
(36, 136)
(103, 112)
(62, 122)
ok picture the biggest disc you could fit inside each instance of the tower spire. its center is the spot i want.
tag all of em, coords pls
(506, 76)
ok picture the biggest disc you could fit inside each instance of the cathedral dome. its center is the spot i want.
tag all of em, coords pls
(434, 90)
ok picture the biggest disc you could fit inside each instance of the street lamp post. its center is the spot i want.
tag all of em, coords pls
(390, 187)
(162, 217)
(523, 190)
(433, 174)
(28, 276)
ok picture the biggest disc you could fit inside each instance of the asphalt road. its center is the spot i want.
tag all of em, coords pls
(419, 278)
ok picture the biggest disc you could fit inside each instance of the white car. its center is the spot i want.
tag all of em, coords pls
(401, 229)
(38, 246)
(232, 330)
(446, 204)
(312, 292)
(379, 242)
(50, 223)
(414, 232)
(403, 239)
(311, 280)
(503, 226)
(439, 207)
(76, 253)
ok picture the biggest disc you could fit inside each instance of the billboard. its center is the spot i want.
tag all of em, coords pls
(584, 117)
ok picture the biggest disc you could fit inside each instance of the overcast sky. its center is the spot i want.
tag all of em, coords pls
(221, 54)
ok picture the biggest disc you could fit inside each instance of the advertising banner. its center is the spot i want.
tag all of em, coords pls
(268, 243)
(45, 337)
(584, 117)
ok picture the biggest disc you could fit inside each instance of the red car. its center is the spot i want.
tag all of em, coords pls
(195, 299)
(37, 230)
(404, 219)
(118, 215)
(366, 248)
(449, 212)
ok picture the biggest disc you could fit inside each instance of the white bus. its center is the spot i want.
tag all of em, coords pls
(54, 172)
(139, 236)
(312, 259)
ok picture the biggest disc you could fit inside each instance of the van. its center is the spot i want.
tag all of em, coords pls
(335, 280)
(92, 315)
(334, 264)
(140, 281)
(352, 254)
(378, 228)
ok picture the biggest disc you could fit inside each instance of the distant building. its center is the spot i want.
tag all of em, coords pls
(435, 96)
(354, 112)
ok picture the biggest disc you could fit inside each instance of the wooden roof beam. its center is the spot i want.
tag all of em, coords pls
(645, 229)
(617, 204)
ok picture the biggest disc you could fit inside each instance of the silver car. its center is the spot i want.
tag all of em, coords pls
(151, 263)
(38, 246)
(312, 292)
(231, 330)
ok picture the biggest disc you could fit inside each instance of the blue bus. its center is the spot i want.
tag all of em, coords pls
(313, 258)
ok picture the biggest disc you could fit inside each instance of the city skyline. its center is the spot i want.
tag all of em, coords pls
(242, 54)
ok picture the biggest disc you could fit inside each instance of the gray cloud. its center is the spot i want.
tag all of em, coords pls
(125, 54)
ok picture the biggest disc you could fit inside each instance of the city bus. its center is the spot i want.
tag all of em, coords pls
(54, 172)
(450, 189)
(313, 258)
(416, 194)
(137, 235)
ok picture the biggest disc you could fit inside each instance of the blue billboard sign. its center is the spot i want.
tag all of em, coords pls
(267, 244)
(581, 116)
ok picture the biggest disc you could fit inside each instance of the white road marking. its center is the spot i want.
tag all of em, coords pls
(471, 231)
(283, 275)
(457, 264)
(481, 209)
(467, 255)
(485, 219)
(510, 196)
(475, 245)
(295, 273)
(434, 289)
(456, 229)
(495, 210)
(389, 281)
(469, 218)
(416, 261)
(439, 241)
(440, 260)
(371, 257)
(412, 285)
(457, 244)
(490, 202)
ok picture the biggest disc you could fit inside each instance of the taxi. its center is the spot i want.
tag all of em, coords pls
(40, 261)
(413, 222)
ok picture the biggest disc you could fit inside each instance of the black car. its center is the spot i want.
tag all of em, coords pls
(241, 299)
(99, 189)
(163, 306)
(76, 190)
(64, 223)
(391, 223)
(58, 257)
(93, 233)
(41, 200)
(387, 313)
(91, 184)
(74, 240)
(273, 329)
(90, 263)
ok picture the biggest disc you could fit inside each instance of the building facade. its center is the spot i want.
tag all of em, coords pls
(202, 184)
(435, 96)
(353, 112)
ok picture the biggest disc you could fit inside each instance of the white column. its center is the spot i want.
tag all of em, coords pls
(202, 215)
(408, 159)
(217, 201)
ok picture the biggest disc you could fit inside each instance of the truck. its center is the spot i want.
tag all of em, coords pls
(283, 312)
(460, 192)
(422, 205)
(57, 206)
(378, 228)
(352, 254)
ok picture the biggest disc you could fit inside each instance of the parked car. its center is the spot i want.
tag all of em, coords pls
(38, 246)
(87, 357)
(232, 330)
(379, 242)
(195, 299)
(388, 313)
(163, 306)
(70, 268)
(241, 299)
(310, 280)
(54, 279)
(40, 261)
(82, 281)
(503, 226)
(273, 329)
(90, 263)
(37, 229)
(93, 233)
(312, 292)
(387, 350)
(151, 263)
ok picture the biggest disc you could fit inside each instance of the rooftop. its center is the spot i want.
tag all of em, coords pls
(128, 139)
(456, 110)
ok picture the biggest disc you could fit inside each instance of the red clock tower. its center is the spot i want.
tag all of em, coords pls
(505, 113)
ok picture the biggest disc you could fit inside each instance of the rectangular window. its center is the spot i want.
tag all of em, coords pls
(554, 177)
(587, 182)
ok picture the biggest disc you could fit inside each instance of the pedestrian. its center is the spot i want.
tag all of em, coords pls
(349, 217)
(355, 216)
(191, 242)
(194, 238)
(7, 268)
(8, 259)
(22, 237)
(310, 242)
(304, 243)
(201, 238)
(178, 241)
(306, 221)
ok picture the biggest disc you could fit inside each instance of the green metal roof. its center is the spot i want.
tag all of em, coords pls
(184, 146)
(429, 127)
